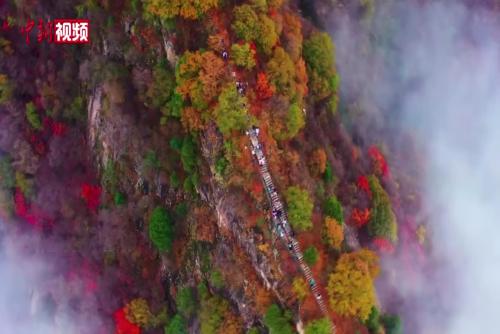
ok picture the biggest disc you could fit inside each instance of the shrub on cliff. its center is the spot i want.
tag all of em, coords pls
(161, 230)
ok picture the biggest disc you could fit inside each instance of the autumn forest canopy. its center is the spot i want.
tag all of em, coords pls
(133, 153)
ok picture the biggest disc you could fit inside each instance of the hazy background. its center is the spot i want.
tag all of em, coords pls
(433, 70)
(37, 296)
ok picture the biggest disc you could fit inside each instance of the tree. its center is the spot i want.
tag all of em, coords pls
(328, 175)
(317, 163)
(295, 120)
(119, 198)
(379, 163)
(392, 324)
(276, 321)
(5, 89)
(176, 326)
(301, 79)
(281, 71)
(7, 175)
(161, 231)
(246, 23)
(32, 116)
(231, 325)
(243, 55)
(216, 279)
(267, 34)
(292, 33)
(275, 4)
(186, 304)
(350, 286)
(188, 9)
(383, 220)
(263, 88)
(334, 232)
(231, 112)
(191, 119)
(360, 218)
(199, 77)
(137, 311)
(333, 209)
(253, 330)
(319, 55)
(91, 195)
(218, 41)
(151, 160)
(259, 5)
(188, 155)
(300, 288)
(320, 326)
(363, 184)
(123, 325)
(161, 89)
(300, 208)
(213, 309)
(373, 321)
(311, 255)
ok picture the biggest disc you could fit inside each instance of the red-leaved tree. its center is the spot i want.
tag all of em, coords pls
(264, 89)
(363, 184)
(360, 218)
(122, 325)
(378, 160)
(383, 245)
(91, 195)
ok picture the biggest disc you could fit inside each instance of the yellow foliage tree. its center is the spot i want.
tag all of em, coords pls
(188, 9)
(350, 286)
(137, 312)
(334, 232)
(281, 70)
(268, 36)
(421, 234)
(300, 288)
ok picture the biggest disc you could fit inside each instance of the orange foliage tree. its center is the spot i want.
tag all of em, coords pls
(199, 78)
(191, 119)
(317, 164)
(292, 33)
(219, 42)
(262, 299)
(301, 79)
(334, 232)
(264, 89)
(360, 218)
(350, 286)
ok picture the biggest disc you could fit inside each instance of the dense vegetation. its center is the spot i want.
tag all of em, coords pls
(157, 187)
